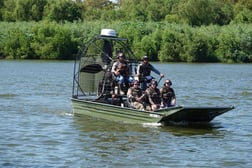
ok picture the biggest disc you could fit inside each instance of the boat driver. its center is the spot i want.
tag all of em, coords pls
(144, 72)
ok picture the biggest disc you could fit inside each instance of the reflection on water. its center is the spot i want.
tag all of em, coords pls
(209, 129)
(89, 124)
(149, 145)
(5, 95)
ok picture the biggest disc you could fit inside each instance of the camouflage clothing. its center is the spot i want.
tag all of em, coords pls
(167, 95)
(135, 97)
(153, 96)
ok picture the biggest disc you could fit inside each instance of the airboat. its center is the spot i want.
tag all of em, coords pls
(92, 89)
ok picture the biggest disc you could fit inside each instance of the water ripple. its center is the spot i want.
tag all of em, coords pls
(38, 128)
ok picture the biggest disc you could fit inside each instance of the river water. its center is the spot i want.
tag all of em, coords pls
(38, 129)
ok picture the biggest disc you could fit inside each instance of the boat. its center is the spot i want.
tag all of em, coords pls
(92, 89)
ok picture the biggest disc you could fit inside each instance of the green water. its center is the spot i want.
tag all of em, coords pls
(37, 128)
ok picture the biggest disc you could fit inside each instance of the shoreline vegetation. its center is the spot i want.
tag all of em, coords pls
(174, 37)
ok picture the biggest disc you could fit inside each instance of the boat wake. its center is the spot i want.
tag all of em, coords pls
(152, 124)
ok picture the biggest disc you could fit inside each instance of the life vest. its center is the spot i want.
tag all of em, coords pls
(145, 69)
(154, 94)
(167, 94)
(124, 71)
(136, 92)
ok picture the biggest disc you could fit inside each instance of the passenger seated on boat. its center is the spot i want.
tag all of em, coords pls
(153, 95)
(117, 80)
(122, 72)
(143, 72)
(168, 97)
(135, 96)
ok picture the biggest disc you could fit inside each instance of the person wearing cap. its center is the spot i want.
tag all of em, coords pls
(135, 96)
(144, 72)
(121, 72)
(168, 97)
(153, 96)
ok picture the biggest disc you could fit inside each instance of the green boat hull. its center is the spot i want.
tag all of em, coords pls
(178, 114)
(188, 115)
(118, 113)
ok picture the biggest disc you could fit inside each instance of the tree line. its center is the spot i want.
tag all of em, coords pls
(167, 30)
(192, 12)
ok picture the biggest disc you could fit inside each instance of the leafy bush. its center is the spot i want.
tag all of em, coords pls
(161, 41)
(171, 46)
(234, 44)
(18, 45)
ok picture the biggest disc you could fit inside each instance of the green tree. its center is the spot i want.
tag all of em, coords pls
(199, 49)
(52, 41)
(150, 44)
(244, 16)
(171, 46)
(65, 10)
(241, 5)
(234, 44)
(204, 12)
(157, 10)
(135, 10)
(8, 10)
(18, 45)
(1, 10)
(37, 9)
(97, 9)
(23, 10)
(146, 10)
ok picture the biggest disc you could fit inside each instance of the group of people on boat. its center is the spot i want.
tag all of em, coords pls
(142, 91)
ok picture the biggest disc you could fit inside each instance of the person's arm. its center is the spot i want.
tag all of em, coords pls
(161, 94)
(149, 98)
(173, 101)
(142, 96)
(140, 99)
(117, 72)
(173, 93)
(129, 93)
(138, 69)
(114, 67)
(156, 71)
(129, 69)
